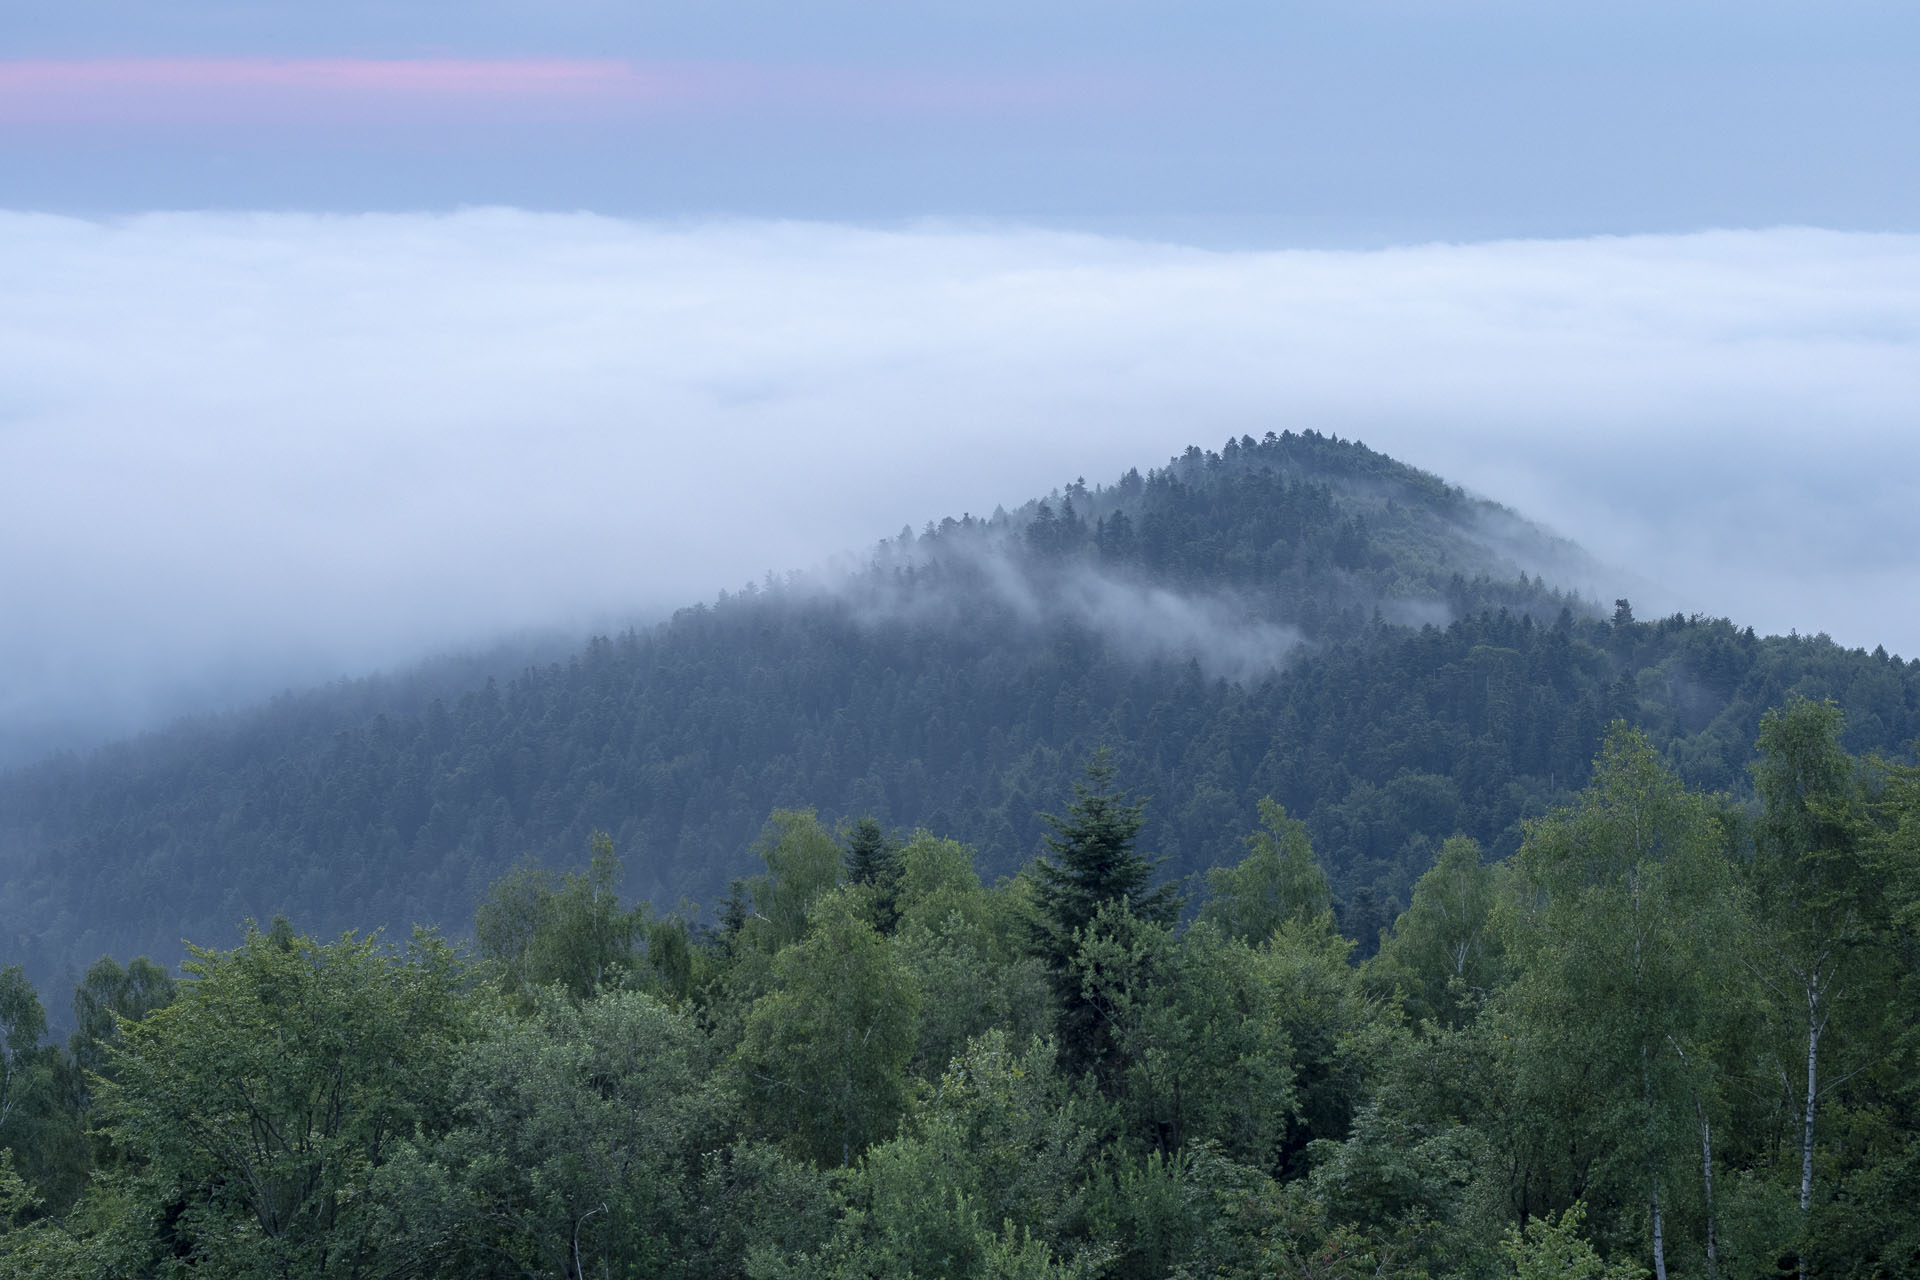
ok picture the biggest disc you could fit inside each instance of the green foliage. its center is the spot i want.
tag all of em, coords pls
(1093, 876)
(107, 1236)
(109, 995)
(1553, 1249)
(575, 934)
(1199, 1037)
(1094, 863)
(965, 946)
(937, 881)
(986, 1181)
(1443, 958)
(23, 1067)
(264, 1099)
(909, 1220)
(1330, 1023)
(1151, 1212)
(1279, 880)
(1609, 1034)
(38, 1124)
(573, 1147)
(1424, 1165)
(757, 1207)
(873, 860)
(17, 1201)
(1397, 1168)
(1624, 931)
(803, 862)
(1029, 1132)
(1834, 952)
(822, 1065)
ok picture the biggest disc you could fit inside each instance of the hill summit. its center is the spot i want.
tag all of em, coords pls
(1298, 617)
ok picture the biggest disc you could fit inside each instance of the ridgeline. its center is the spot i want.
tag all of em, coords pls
(1301, 618)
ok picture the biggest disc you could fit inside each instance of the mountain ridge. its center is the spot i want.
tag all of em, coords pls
(1388, 688)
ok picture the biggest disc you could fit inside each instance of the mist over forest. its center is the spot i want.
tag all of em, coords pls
(1296, 617)
(997, 641)
(1262, 863)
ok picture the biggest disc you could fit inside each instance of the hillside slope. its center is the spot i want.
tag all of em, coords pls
(1297, 617)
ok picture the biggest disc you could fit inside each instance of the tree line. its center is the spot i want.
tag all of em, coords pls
(1670, 1035)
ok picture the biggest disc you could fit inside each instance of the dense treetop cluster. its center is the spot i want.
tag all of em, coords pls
(1670, 1034)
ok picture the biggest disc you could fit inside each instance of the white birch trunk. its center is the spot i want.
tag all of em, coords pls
(1706, 1175)
(1706, 1158)
(1659, 1237)
(1653, 1175)
(1813, 1080)
(1815, 1024)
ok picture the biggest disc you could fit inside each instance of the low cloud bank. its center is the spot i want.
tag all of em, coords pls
(240, 451)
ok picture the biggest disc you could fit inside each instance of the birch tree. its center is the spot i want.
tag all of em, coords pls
(1279, 880)
(1626, 909)
(573, 1149)
(823, 1062)
(1823, 910)
(23, 1021)
(1442, 956)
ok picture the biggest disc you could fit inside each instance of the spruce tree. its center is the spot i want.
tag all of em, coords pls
(1094, 875)
(873, 859)
(1094, 862)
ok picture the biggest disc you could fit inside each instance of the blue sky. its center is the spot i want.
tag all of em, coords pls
(1353, 122)
(331, 336)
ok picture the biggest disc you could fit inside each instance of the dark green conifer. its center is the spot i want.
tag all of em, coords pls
(1094, 866)
(873, 859)
(734, 912)
(1094, 861)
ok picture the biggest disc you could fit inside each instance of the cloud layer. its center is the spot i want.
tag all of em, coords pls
(241, 450)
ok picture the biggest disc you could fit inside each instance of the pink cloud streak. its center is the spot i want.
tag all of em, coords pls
(150, 91)
(403, 75)
(160, 90)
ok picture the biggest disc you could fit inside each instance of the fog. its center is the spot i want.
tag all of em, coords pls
(240, 451)
(1231, 638)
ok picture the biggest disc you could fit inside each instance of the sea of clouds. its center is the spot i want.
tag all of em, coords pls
(243, 451)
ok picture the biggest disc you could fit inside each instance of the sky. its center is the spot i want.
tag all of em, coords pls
(331, 336)
(1330, 122)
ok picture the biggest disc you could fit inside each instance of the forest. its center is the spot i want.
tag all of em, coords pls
(1255, 867)
(1669, 1034)
(1297, 617)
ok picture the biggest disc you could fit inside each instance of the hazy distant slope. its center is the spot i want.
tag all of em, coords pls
(1298, 617)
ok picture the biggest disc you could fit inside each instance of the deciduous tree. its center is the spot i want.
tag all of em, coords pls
(262, 1100)
(823, 1061)
(1278, 880)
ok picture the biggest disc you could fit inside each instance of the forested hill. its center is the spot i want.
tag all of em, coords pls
(1298, 617)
